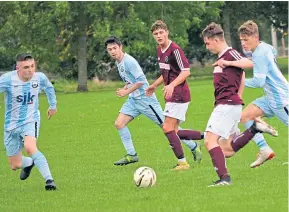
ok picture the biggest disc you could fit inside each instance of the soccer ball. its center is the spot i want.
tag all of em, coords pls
(144, 177)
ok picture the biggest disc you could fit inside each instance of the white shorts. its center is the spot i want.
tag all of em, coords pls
(176, 110)
(224, 120)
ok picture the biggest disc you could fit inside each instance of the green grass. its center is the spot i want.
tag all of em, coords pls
(81, 144)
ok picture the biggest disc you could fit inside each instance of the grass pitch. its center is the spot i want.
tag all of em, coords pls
(81, 144)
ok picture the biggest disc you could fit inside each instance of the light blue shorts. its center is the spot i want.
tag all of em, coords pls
(14, 139)
(280, 113)
(150, 107)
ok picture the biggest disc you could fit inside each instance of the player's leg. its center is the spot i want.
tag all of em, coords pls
(282, 114)
(225, 144)
(218, 159)
(220, 124)
(13, 146)
(30, 134)
(258, 108)
(237, 141)
(152, 109)
(174, 114)
(187, 136)
(15, 161)
(127, 113)
(169, 126)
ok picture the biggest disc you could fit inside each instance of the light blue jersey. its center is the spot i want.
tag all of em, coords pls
(131, 73)
(21, 98)
(268, 76)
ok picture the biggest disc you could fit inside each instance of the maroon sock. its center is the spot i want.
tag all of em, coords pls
(175, 144)
(190, 135)
(219, 162)
(242, 140)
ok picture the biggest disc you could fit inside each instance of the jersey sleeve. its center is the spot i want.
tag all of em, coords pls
(135, 70)
(181, 59)
(4, 79)
(235, 55)
(260, 71)
(48, 88)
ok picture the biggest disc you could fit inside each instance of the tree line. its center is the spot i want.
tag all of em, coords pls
(68, 37)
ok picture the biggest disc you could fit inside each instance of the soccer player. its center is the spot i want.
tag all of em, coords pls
(223, 122)
(22, 117)
(175, 69)
(137, 103)
(267, 76)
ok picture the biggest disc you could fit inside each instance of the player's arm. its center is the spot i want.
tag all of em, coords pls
(242, 86)
(3, 83)
(184, 66)
(238, 61)
(151, 89)
(135, 69)
(260, 71)
(134, 86)
(242, 63)
(181, 78)
(48, 88)
(159, 81)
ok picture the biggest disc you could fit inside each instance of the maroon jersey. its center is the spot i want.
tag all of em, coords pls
(227, 80)
(172, 61)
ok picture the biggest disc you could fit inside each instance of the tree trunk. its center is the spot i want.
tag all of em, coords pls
(283, 46)
(82, 50)
(226, 23)
(274, 38)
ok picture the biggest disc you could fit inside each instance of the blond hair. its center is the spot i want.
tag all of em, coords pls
(248, 28)
(159, 24)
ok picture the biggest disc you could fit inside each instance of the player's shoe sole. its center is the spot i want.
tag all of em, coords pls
(262, 158)
(50, 185)
(222, 182)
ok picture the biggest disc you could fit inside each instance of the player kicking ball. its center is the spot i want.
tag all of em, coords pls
(226, 115)
(268, 76)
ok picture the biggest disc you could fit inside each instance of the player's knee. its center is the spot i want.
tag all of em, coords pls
(206, 143)
(30, 149)
(167, 128)
(15, 165)
(119, 125)
(244, 119)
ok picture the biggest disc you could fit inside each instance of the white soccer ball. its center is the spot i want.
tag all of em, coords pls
(144, 177)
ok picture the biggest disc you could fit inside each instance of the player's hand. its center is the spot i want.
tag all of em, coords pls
(121, 92)
(150, 90)
(222, 63)
(51, 112)
(168, 91)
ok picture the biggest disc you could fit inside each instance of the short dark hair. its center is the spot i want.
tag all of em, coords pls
(23, 57)
(213, 30)
(112, 39)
